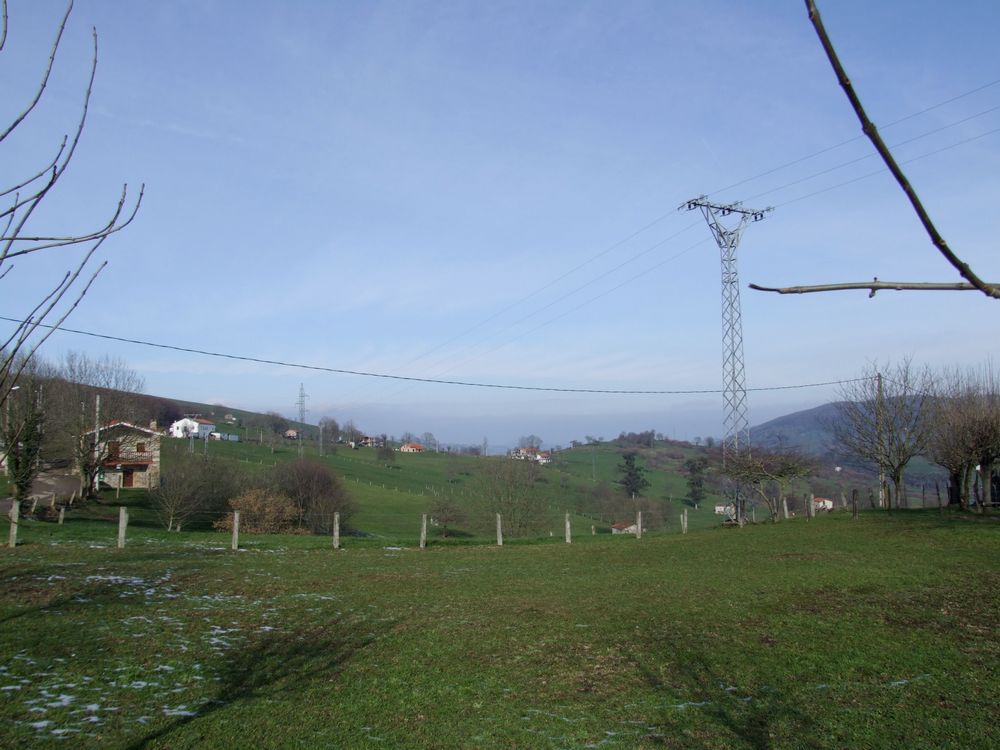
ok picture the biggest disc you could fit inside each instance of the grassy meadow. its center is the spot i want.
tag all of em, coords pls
(826, 633)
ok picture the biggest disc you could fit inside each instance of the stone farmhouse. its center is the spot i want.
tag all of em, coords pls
(131, 455)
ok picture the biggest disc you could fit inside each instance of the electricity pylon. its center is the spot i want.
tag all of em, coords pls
(734, 391)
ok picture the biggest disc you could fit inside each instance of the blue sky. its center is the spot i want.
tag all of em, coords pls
(412, 187)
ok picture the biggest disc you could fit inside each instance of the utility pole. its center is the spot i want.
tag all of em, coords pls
(734, 392)
(879, 416)
(97, 442)
(321, 439)
(302, 416)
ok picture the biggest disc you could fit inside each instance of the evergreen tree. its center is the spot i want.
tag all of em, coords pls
(633, 479)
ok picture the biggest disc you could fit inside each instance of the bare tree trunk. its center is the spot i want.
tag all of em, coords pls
(985, 485)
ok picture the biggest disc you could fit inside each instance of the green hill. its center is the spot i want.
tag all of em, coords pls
(391, 496)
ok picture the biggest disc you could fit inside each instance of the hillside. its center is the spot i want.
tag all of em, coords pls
(812, 432)
(390, 497)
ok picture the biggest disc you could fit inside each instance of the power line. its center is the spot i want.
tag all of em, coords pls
(767, 192)
(835, 146)
(848, 163)
(657, 220)
(362, 373)
(883, 170)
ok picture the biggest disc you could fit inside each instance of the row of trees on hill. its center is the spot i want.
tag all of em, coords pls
(889, 416)
(892, 415)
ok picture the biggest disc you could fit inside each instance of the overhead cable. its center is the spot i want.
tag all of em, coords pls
(468, 384)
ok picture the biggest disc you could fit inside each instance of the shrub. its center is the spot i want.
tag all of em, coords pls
(316, 492)
(261, 512)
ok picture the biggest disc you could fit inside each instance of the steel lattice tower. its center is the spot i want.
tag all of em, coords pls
(737, 439)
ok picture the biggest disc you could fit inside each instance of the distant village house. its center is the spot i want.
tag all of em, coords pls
(623, 527)
(531, 454)
(411, 448)
(192, 427)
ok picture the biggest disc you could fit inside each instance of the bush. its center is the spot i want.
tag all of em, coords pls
(316, 492)
(261, 512)
(194, 491)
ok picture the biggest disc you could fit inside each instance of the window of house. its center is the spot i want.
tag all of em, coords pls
(140, 447)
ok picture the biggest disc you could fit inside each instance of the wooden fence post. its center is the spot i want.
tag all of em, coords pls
(34, 504)
(15, 512)
(593, 530)
(810, 506)
(423, 530)
(122, 525)
(784, 507)
(499, 532)
(236, 530)
(62, 514)
(684, 521)
(52, 502)
(336, 530)
(569, 533)
(854, 504)
(638, 525)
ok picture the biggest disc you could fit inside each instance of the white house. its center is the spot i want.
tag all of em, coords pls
(728, 510)
(411, 448)
(192, 427)
(622, 527)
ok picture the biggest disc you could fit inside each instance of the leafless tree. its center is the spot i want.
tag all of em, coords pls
(23, 428)
(447, 512)
(20, 198)
(331, 429)
(883, 420)
(950, 442)
(72, 410)
(196, 490)
(768, 474)
(965, 430)
(508, 488)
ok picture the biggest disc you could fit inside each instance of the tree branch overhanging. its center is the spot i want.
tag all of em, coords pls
(871, 131)
(873, 286)
(23, 197)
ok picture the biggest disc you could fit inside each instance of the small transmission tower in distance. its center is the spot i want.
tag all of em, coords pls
(737, 438)
(301, 403)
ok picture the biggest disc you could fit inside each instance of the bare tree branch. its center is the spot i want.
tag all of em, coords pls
(869, 129)
(873, 286)
(48, 69)
(3, 32)
(17, 351)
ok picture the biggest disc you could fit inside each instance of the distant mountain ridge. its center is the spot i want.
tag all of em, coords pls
(810, 431)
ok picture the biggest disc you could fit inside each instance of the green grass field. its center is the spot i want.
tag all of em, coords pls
(829, 633)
